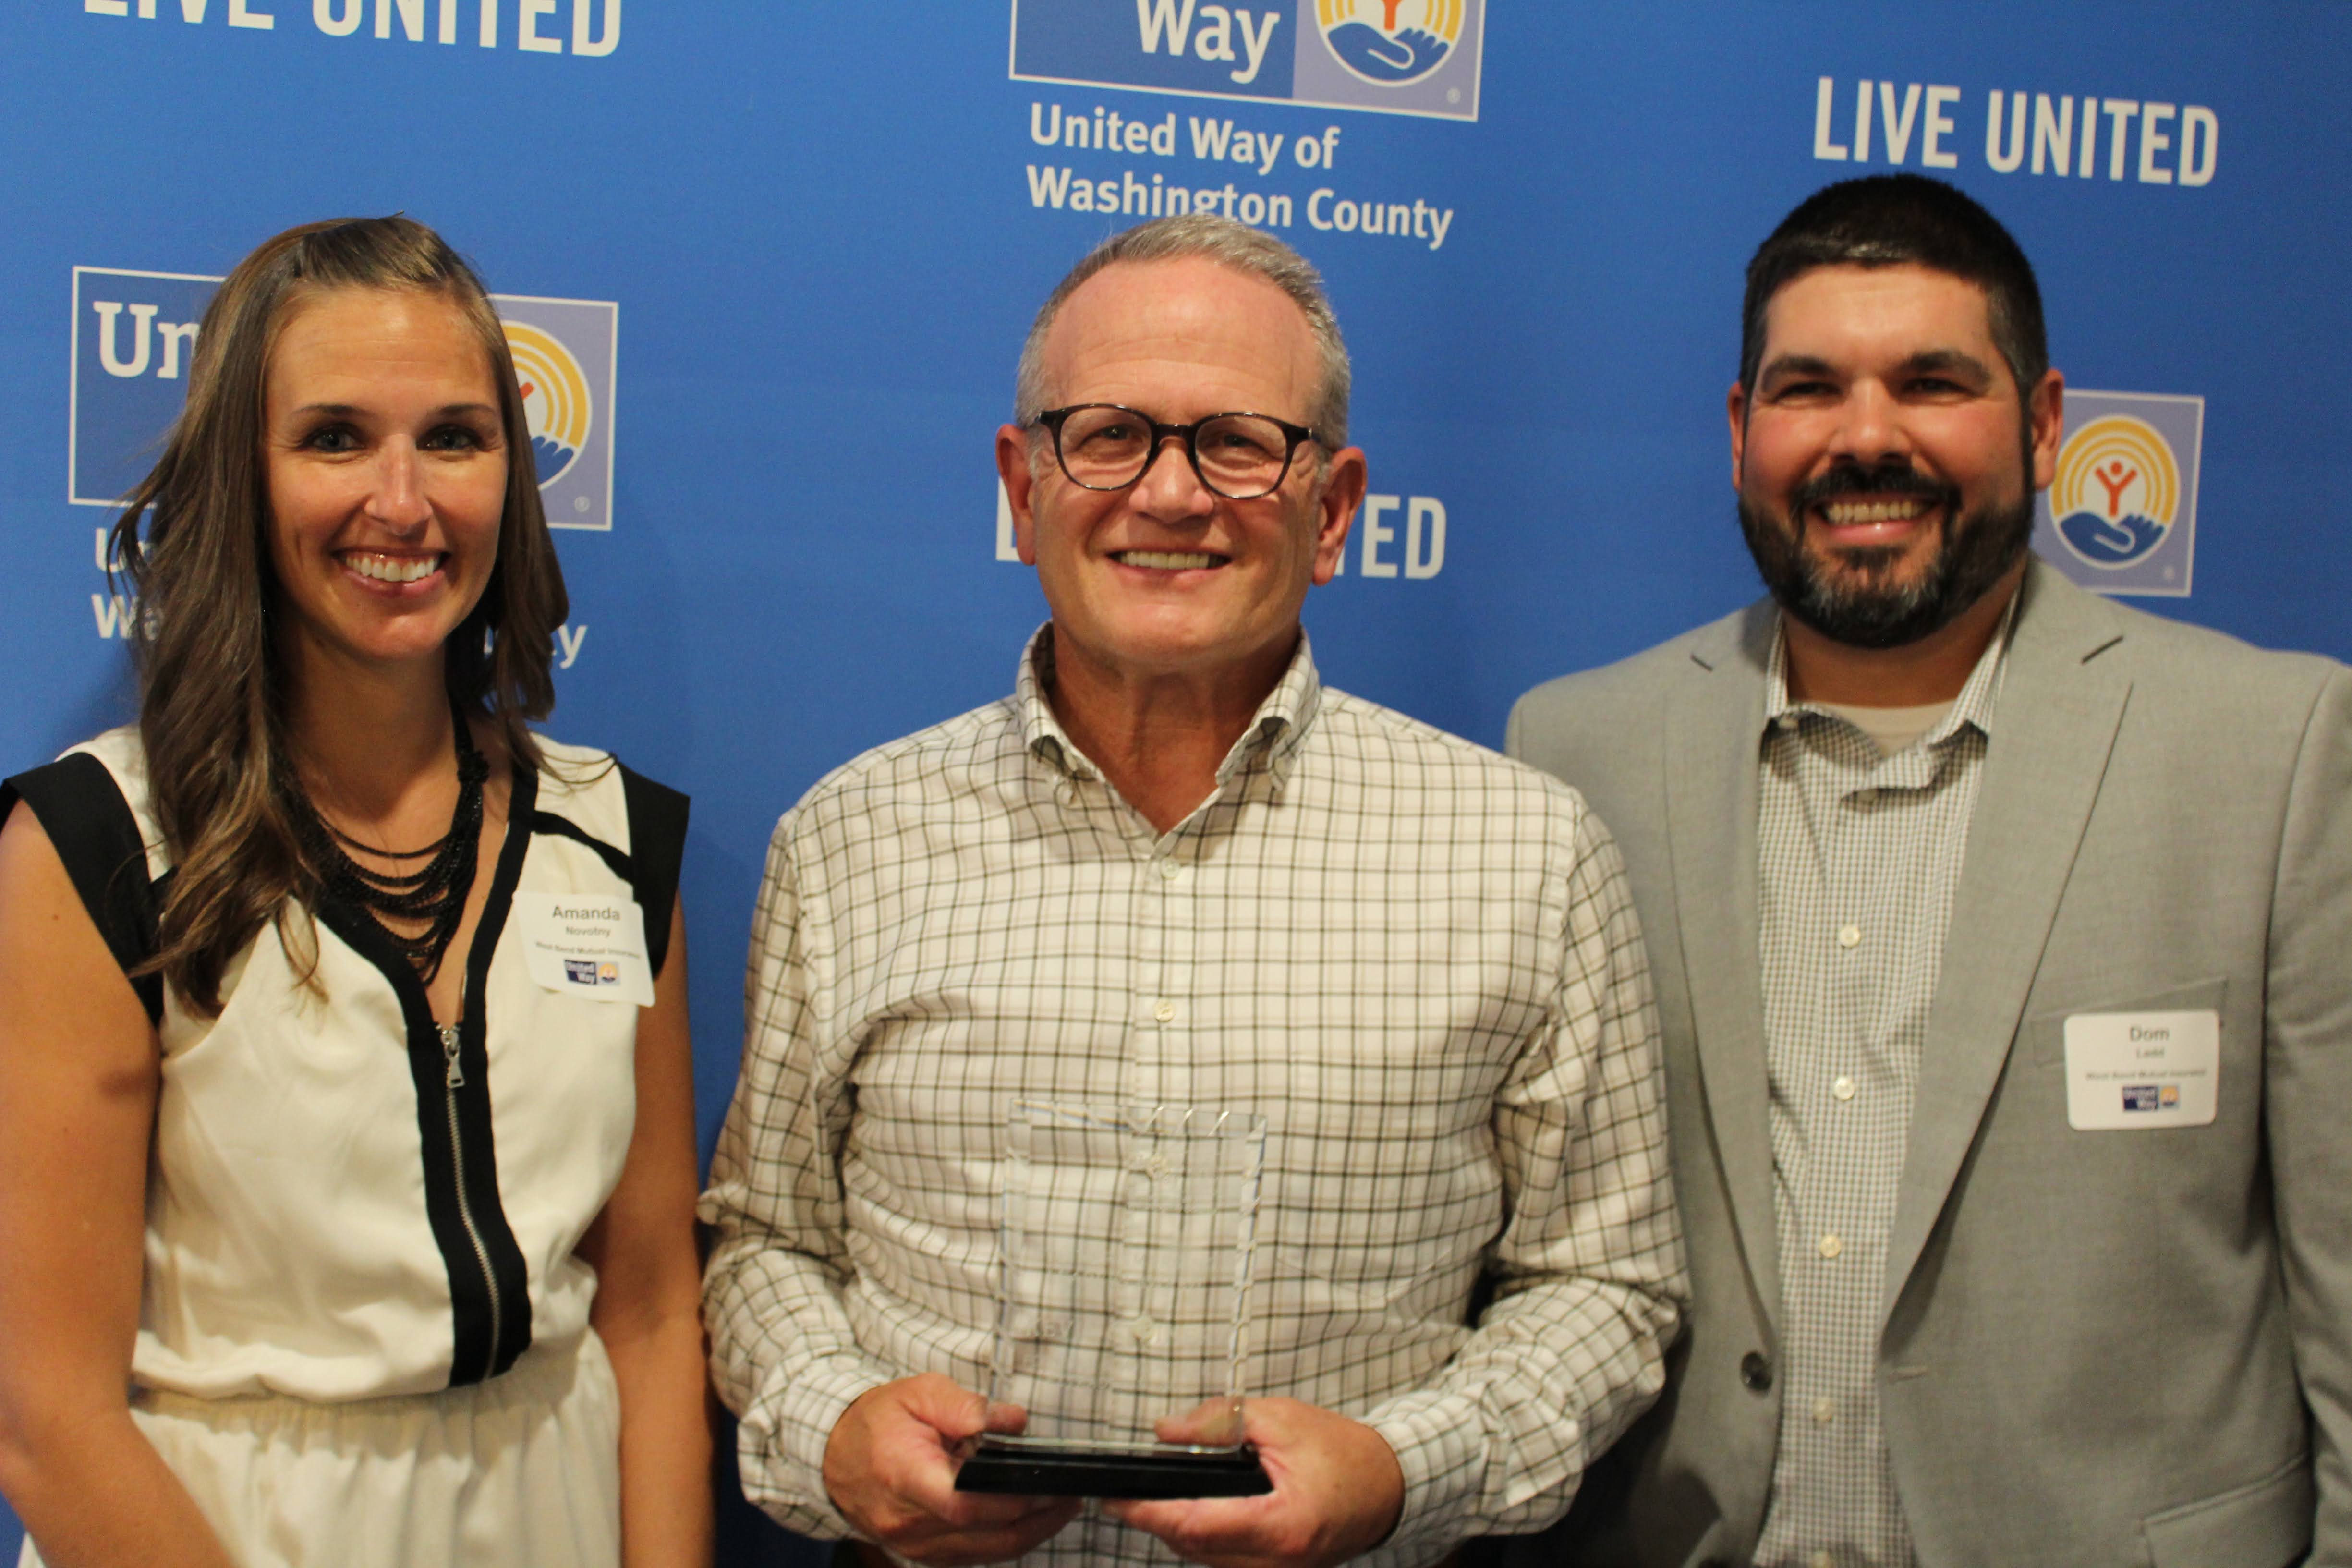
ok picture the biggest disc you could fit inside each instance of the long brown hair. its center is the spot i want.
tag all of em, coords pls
(212, 711)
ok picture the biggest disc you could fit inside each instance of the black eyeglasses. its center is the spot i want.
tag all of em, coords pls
(1103, 446)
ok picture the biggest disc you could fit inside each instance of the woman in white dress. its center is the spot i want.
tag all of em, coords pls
(346, 1110)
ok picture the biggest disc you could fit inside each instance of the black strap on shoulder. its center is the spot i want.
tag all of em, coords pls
(95, 835)
(657, 846)
(657, 849)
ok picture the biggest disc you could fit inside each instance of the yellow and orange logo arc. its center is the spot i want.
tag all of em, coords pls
(555, 398)
(1441, 18)
(2117, 467)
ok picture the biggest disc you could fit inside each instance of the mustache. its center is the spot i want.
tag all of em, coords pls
(1892, 478)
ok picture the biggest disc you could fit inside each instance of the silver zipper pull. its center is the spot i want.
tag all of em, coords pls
(456, 1079)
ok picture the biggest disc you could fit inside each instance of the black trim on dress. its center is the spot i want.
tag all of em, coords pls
(617, 863)
(657, 845)
(657, 816)
(96, 836)
(490, 1306)
(474, 1104)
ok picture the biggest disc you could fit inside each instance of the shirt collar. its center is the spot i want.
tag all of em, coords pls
(1972, 708)
(1275, 732)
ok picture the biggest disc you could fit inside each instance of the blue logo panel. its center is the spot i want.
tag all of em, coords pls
(1179, 45)
(134, 334)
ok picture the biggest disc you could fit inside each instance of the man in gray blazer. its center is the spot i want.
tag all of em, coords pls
(2002, 940)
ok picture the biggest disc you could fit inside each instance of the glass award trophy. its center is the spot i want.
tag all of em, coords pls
(1122, 1301)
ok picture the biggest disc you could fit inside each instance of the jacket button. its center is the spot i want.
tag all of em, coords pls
(1756, 1372)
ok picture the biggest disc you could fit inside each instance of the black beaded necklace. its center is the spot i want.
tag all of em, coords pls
(434, 892)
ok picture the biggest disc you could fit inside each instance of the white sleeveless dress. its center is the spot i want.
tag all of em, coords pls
(364, 1335)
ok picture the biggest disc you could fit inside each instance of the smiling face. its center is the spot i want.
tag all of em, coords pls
(387, 476)
(1165, 578)
(1885, 460)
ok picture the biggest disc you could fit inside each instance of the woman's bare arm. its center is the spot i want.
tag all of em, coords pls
(78, 1074)
(648, 1307)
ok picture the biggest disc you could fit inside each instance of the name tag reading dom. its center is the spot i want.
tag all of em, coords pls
(589, 946)
(2132, 1070)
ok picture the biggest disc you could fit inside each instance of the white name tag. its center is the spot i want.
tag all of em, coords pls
(589, 946)
(2127, 1071)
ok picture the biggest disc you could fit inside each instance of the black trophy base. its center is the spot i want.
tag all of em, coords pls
(1037, 1469)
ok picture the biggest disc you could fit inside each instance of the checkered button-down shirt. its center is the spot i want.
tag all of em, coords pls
(1860, 858)
(1417, 960)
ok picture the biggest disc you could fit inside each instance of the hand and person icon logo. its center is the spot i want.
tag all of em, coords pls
(1391, 41)
(2118, 491)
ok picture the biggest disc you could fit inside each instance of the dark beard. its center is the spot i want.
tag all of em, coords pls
(1973, 554)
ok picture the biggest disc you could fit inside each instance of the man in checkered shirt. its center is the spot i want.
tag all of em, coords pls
(1173, 868)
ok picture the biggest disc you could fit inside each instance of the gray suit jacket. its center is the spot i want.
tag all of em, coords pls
(2099, 1347)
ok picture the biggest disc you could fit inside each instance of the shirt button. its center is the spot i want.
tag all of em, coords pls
(1824, 1410)
(1830, 1246)
(1165, 1012)
(1755, 1371)
(1170, 870)
(1785, 722)
(1842, 1088)
(1849, 936)
(1823, 1560)
(1143, 1331)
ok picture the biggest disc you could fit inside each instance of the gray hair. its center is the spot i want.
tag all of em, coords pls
(1229, 243)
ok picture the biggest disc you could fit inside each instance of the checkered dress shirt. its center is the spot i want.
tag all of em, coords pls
(1860, 858)
(1417, 960)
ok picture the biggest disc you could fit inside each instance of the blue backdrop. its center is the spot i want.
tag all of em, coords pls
(771, 264)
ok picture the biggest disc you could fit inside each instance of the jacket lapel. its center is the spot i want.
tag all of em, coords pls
(2051, 733)
(1716, 720)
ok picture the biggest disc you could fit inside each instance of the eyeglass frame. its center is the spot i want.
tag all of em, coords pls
(1052, 420)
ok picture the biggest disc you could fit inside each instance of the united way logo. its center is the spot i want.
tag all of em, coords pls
(2120, 515)
(564, 359)
(2118, 492)
(1399, 57)
(133, 338)
(1391, 41)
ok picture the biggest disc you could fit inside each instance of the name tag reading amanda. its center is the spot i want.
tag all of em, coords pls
(2131, 1070)
(589, 946)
